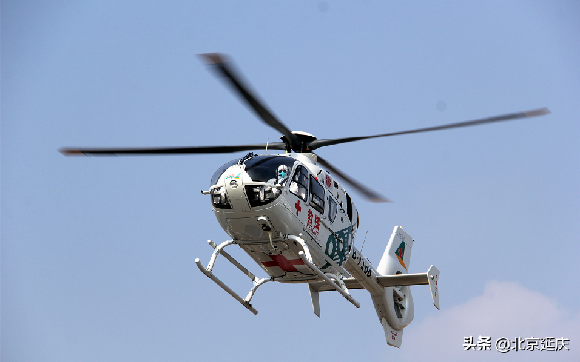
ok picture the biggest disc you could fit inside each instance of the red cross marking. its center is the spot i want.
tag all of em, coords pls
(298, 207)
(283, 263)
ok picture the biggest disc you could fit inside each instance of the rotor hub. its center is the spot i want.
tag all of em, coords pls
(305, 139)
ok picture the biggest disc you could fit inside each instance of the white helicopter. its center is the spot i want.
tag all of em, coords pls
(297, 222)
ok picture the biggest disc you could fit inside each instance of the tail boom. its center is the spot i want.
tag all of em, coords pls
(388, 284)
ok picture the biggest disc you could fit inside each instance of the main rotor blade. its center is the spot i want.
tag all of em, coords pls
(505, 117)
(221, 65)
(368, 193)
(168, 150)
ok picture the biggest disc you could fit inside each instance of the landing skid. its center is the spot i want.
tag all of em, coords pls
(337, 284)
(218, 249)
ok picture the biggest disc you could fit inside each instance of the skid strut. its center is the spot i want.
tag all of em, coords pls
(339, 286)
(218, 249)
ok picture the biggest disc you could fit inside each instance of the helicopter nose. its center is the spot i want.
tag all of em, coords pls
(235, 189)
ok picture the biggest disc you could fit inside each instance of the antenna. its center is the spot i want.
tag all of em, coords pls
(363, 244)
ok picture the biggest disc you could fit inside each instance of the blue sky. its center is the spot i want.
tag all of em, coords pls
(98, 253)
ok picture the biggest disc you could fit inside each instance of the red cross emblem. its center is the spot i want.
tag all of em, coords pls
(283, 263)
(298, 207)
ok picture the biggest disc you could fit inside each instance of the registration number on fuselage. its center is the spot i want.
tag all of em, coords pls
(362, 262)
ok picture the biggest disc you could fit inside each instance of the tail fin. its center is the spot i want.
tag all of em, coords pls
(397, 256)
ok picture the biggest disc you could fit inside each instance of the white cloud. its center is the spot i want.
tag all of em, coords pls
(505, 309)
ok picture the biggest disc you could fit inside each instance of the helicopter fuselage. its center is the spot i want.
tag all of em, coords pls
(297, 222)
(263, 211)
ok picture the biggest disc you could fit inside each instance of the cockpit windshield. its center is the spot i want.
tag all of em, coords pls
(273, 169)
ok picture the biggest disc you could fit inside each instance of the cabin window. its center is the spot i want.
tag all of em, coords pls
(299, 184)
(317, 195)
(332, 208)
(349, 207)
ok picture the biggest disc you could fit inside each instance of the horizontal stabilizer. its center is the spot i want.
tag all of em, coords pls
(431, 278)
(403, 279)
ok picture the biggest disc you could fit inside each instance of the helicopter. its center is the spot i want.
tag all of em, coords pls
(293, 217)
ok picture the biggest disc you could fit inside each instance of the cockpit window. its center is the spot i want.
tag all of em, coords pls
(221, 170)
(273, 169)
(299, 184)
